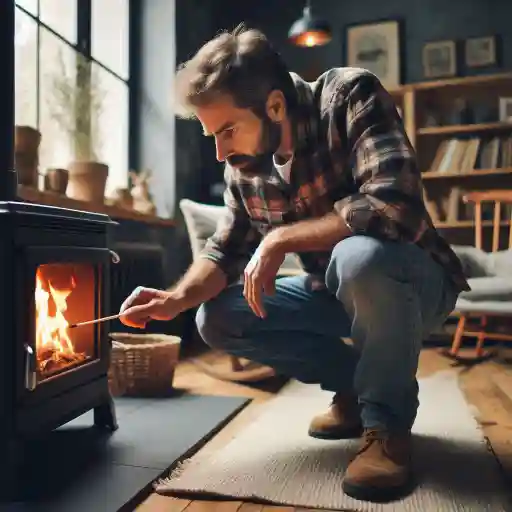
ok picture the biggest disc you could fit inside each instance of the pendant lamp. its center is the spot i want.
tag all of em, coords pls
(309, 31)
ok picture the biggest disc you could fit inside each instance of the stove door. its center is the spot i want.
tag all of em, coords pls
(58, 287)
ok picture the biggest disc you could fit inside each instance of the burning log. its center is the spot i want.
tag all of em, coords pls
(53, 361)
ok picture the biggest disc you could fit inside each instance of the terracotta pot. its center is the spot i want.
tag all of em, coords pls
(26, 155)
(56, 180)
(87, 181)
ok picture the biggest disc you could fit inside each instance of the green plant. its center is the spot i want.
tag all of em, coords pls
(76, 102)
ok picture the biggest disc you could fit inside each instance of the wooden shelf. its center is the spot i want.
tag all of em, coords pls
(51, 199)
(427, 175)
(444, 199)
(467, 81)
(459, 82)
(463, 128)
(466, 224)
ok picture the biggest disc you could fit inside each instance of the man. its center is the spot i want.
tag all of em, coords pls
(324, 170)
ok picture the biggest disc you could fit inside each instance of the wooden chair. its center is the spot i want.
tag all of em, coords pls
(482, 311)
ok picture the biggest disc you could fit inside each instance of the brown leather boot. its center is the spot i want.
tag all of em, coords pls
(381, 470)
(341, 421)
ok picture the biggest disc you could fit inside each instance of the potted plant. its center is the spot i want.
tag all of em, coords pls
(76, 104)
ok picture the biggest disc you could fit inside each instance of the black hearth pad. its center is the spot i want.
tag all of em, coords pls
(81, 469)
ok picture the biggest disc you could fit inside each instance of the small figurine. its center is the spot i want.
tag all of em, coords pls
(142, 201)
(122, 198)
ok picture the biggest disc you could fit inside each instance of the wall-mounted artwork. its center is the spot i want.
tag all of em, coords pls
(480, 51)
(376, 47)
(439, 59)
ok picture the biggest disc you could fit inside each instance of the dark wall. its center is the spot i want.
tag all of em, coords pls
(424, 20)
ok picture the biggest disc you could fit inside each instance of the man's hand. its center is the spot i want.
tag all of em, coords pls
(260, 273)
(145, 304)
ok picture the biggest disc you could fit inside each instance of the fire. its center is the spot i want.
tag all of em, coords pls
(54, 347)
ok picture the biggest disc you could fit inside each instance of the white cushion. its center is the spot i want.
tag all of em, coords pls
(201, 220)
(494, 288)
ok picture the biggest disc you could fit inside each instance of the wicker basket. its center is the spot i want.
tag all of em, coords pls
(143, 364)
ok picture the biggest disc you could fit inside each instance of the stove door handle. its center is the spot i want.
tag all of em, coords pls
(30, 368)
(115, 257)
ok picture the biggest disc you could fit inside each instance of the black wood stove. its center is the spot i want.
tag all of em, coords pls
(54, 271)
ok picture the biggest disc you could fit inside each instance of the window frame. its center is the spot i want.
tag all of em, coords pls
(83, 45)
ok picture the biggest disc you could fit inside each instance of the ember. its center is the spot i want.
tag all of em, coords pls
(55, 350)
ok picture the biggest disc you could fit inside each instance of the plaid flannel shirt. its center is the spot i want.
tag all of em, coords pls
(351, 156)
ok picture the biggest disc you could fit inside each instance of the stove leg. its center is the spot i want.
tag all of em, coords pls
(105, 415)
(11, 461)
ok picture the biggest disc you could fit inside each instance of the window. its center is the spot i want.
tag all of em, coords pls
(31, 6)
(25, 70)
(110, 49)
(66, 50)
(57, 81)
(110, 35)
(112, 125)
(61, 17)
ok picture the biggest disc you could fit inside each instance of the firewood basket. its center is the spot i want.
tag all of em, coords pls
(143, 364)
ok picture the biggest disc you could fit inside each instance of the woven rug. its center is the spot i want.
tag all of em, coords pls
(274, 461)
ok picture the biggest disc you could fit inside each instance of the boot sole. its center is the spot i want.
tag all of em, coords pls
(348, 433)
(378, 494)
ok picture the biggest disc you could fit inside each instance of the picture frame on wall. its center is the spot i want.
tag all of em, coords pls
(439, 59)
(376, 47)
(480, 51)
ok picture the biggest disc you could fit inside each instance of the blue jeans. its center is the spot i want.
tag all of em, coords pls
(385, 296)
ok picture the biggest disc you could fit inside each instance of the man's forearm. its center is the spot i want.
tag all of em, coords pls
(203, 280)
(311, 235)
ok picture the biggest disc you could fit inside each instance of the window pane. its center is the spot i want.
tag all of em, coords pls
(60, 15)
(28, 5)
(25, 71)
(110, 34)
(111, 126)
(57, 88)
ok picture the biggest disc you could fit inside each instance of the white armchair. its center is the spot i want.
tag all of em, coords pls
(490, 278)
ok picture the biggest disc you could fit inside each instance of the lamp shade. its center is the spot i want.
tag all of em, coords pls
(309, 31)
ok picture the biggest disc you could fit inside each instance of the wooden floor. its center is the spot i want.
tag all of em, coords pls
(485, 386)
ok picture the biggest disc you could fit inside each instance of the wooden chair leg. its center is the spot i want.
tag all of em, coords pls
(480, 353)
(457, 339)
(481, 337)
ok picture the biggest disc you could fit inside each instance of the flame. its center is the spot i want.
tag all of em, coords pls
(52, 330)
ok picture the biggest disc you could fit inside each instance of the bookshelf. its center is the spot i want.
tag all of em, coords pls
(461, 144)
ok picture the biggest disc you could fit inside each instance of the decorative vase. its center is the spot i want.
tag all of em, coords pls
(56, 180)
(26, 155)
(87, 181)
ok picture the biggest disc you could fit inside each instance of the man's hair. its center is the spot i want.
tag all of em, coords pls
(242, 64)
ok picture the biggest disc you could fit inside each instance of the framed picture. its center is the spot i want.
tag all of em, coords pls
(376, 47)
(439, 59)
(506, 110)
(480, 51)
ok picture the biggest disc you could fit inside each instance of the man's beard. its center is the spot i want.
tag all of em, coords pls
(269, 144)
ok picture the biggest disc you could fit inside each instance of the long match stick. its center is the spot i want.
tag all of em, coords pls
(98, 320)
